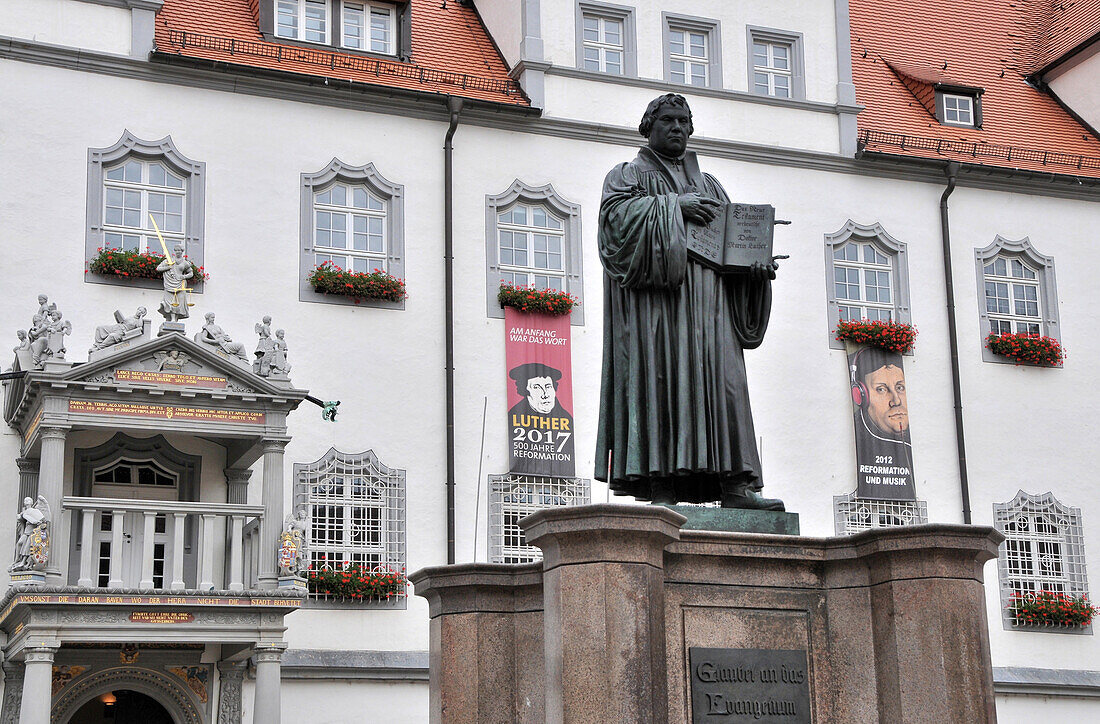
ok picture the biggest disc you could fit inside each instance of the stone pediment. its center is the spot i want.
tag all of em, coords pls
(175, 362)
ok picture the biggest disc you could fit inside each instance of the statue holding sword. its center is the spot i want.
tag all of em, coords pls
(176, 270)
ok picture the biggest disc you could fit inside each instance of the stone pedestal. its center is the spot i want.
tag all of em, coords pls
(169, 327)
(889, 625)
(296, 583)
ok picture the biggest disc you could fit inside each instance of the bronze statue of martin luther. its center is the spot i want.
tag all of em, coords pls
(675, 422)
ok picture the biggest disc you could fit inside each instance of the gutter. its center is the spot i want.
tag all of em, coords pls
(951, 170)
(454, 108)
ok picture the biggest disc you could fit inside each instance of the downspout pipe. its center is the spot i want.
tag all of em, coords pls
(454, 108)
(951, 170)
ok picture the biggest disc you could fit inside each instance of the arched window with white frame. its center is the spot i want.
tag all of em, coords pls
(866, 276)
(136, 187)
(532, 239)
(353, 218)
(1017, 293)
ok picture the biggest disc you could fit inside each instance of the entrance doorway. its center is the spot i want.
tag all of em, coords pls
(122, 706)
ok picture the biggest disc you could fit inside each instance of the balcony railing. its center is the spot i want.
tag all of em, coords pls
(146, 544)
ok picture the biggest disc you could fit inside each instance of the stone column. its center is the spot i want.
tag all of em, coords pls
(51, 475)
(37, 684)
(13, 691)
(273, 512)
(28, 477)
(236, 480)
(268, 705)
(604, 610)
(229, 696)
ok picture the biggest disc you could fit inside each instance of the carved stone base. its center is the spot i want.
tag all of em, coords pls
(54, 364)
(737, 520)
(28, 578)
(293, 582)
(169, 327)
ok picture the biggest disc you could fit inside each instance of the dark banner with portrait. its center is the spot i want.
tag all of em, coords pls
(540, 394)
(884, 451)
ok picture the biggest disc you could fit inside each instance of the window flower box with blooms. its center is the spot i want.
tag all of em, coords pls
(892, 336)
(1030, 349)
(536, 301)
(1050, 608)
(358, 583)
(133, 264)
(327, 278)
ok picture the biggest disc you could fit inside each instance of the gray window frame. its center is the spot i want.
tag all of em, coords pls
(798, 60)
(713, 29)
(1048, 288)
(393, 194)
(194, 179)
(1073, 555)
(623, 13)
(570, 212)
(912, 512)
(895, 250)
(975, 96)
(394, 514)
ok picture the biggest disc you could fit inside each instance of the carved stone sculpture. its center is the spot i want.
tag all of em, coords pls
(279, 364)
(675, 421)
(294, 545)
(32, 549)
(176, 270)
(123, 329)
(47, 333)
(171, 361)
(215, 336)
(265, 348)
(24, 343)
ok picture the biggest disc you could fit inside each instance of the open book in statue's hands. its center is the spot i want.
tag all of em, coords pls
(738, 236)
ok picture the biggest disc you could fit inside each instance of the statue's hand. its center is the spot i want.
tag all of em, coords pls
(698, 208)
(759, 271)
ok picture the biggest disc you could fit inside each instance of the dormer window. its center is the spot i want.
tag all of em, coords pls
(958, 106)
(379, 27)
(302, 20)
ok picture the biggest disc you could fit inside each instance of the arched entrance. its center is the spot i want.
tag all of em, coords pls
(145, 688)
(121, 706)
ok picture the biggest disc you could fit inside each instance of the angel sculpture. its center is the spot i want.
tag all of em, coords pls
(32, 549)
(294, 545)
(171, 361)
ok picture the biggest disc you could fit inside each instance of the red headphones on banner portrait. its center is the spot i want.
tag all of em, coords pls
(860, 396)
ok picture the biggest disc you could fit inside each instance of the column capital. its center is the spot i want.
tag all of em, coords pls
(28, 465)
(39, 654)
(269, 653)
(232, 670)
(274, 445)
(238, 475)
(53, 433)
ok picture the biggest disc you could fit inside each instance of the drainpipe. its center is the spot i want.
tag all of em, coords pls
(951, 170)
(454, 107)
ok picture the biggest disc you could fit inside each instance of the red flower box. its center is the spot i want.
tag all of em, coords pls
(536, 301)
(1032, 349)
(328, 278)
(357, 582)
(892, 336)
(132, 264)
(1050, 608)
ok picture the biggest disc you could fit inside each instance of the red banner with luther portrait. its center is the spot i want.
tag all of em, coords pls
(540, 394)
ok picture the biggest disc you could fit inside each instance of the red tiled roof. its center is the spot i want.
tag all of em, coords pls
(900, 48)
(452, 53)
(1061, 25)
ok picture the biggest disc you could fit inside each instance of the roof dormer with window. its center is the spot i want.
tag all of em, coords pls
(374, 27)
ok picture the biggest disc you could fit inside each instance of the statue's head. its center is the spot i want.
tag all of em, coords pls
(267, 319)
(141, 312)
(42, 298)
(279, 333)
(177, 250)
(667, 124)
(27, 502)
(55, 314)
(209, 317)
(21, 334)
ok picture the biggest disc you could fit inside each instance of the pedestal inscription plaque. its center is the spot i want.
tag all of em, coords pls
(761, 686)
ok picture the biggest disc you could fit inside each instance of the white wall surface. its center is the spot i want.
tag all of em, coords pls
(1078, 87)
(67, 22)
(1028, 709)
(387, 365)
(502, 18)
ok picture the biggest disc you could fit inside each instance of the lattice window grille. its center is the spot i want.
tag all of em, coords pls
(357, 513)
(1043, 550)
(513, 497)
(852, 514)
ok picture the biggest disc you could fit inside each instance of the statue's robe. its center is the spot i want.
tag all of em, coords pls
(674, 401)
